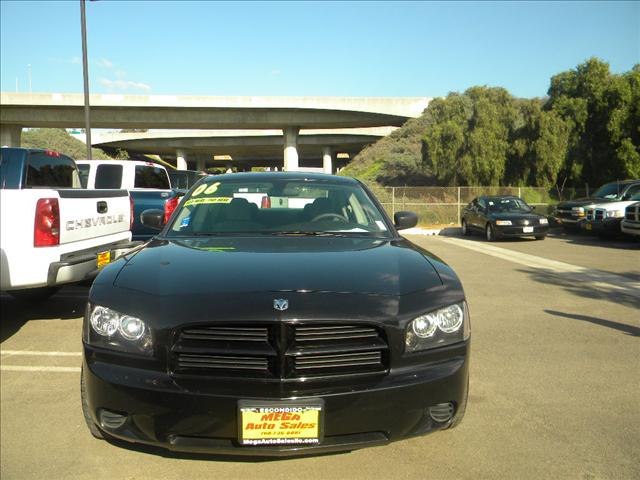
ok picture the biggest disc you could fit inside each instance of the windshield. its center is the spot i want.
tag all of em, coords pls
(610, 190)
(508, 205)
(278, 206)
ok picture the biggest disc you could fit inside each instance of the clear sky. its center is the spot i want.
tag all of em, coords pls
(310, 48)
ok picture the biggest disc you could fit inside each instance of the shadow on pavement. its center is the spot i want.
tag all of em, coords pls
(628, 329)
(68, 303)
(621, 242)
(590, 285)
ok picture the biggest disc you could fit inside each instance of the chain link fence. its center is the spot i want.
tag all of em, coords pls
(443, 205)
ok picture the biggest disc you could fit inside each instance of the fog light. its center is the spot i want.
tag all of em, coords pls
(442, 412)
(111, 420)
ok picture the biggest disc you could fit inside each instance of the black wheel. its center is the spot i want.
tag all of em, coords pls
(540, 237)
(490, 233)
(93, 428)
(465, 228)
(33, 294)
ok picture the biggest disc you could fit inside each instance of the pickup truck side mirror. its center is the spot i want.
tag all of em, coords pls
(153, 218)
(404, 220)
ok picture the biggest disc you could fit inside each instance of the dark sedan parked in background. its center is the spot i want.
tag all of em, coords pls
(506, 216)
(275, 314)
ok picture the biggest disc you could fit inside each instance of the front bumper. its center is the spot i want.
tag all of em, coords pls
(608, 225)
(80, 266)
(517, 231)
(161, 412)
(630, 228)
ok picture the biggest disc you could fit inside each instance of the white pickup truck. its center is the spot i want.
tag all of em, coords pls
(147, 183)
(52, 231)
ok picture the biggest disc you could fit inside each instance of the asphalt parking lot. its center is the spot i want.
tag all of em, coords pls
(555, 380)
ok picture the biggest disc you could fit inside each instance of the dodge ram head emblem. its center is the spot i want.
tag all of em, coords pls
(280, 303)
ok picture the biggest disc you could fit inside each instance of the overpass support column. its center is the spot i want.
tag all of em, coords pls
(201, 163)
(181, 159)
(10, 135)
(327, 160)
(291, 149)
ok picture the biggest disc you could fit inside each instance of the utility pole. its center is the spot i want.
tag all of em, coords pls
(85, 72)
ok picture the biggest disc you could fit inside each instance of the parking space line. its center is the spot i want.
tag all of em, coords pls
(604, 279)
(42, 354)
(22, 368)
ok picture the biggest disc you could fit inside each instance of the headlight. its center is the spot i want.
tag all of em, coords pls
(110, 329)
(442, 327)
(504, 223)
(578, 211)
(615, 214)
(544, 221)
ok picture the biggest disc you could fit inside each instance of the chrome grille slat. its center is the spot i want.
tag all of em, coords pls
(246, 334)
(221, 362)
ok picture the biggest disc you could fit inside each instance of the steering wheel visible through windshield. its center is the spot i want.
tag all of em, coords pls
(277, 206)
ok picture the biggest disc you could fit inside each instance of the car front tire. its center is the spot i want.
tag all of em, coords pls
(465, 228)
(490, 233)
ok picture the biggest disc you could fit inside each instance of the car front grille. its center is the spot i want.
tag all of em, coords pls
(564, 213)
(280, 350)
(632, 213)
(596, 214)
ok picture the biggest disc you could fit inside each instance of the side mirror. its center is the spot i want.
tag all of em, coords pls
(532, 207)
(153, 218)
(404, 220)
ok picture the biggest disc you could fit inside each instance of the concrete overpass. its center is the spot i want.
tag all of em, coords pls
(248, 148)
(289, 115)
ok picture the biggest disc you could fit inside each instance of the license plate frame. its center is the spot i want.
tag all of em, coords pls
(588, 226)
(103, 259)
(527, 229)
(271, 431)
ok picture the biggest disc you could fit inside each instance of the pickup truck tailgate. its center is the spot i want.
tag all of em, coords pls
(107, 213)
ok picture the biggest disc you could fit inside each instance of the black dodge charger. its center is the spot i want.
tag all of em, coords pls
(275, 314)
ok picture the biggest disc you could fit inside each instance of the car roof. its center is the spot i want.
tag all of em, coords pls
(623, 182)
(270, 176)
(495, 197)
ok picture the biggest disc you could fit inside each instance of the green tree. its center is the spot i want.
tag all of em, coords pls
(59, 140)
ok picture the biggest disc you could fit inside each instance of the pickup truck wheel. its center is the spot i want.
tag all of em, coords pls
(93, 428)
(465, 228)
(33, 294)
(540, 237)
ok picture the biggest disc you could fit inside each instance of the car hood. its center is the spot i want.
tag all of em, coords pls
(516, 216)
(232, 265)
(615, 205)
(581, 202)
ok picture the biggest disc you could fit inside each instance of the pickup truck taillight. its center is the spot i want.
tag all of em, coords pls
(266, 202)
(46, 228)
(131, 217)
(169, 206)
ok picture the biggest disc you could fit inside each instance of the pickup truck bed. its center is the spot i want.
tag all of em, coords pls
(51, 236)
